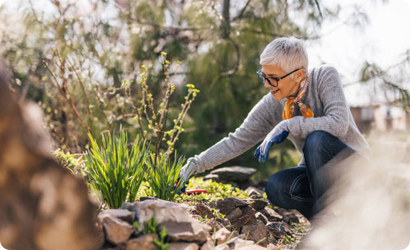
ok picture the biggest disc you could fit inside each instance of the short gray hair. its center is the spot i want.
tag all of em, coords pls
(288, 52)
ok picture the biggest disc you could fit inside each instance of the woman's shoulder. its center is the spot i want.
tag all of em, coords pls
(321, 70)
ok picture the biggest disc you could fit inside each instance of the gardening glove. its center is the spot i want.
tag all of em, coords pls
(276, 136)
(186, 171)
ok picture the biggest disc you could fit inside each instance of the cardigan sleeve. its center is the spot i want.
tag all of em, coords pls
(255, 127)
(336, 111)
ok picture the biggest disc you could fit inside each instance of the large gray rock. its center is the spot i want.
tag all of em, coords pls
(235, 173)
(237, 242)
(42, 205)
(116, 230)
(121, 214)
(174, 216)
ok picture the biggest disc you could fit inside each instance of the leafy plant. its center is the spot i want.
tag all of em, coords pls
(114, 170)
(70, 161)
(151, 227)
(163, 175)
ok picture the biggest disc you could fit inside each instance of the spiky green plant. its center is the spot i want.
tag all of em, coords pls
(114, 170)
(163, 175)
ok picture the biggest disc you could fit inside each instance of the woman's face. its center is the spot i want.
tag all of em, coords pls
(286, 86)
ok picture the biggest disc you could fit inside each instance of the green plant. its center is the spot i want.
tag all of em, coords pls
(163, 172)
(163, 177)
(114, 170)
(70, 161)
(151, 227)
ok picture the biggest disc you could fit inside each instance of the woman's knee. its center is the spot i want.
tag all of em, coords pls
(275, 190)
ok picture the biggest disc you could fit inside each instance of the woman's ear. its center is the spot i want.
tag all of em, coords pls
(300, 74)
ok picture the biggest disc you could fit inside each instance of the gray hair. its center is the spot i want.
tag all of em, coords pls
(288, 52)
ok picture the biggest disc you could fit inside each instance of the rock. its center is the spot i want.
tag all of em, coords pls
(235, 173)
(239, 243)
(253, 247)
(182, 246)
(121, 214)
(116, 230)
(278, 229)
(163, 210)
(214, 225)
(229, 204)
(258, 204)
(203, 211)
(145, 242)
(213, 177)
(208, 245)
(254, 193)
(292, 216)
(223, 235)
(247, 217)
(272, 247)
(247, 210)
(256, 233)
(271, 214)
(222, 247)
(236, 213)
(260, 216)
(43, 205)
(193, 231)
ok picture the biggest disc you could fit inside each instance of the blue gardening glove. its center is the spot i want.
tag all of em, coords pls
(186, 171)
(276, 136)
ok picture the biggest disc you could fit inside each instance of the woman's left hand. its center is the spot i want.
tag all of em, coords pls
(276, 136)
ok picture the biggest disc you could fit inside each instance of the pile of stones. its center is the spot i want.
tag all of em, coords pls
(244, 224)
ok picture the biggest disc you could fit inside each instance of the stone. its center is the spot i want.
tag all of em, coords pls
(208, 245)
(163, 210)
(227, 205)
(292, 216)
(258, 204)
(121, 214)
(254, 192)
(222, 247)
(116, 231)
(237, 242)
(43, 205)
(214, 225)
(203, 211)
(253, 247)
(193, 231)
(239, 222)
(235, 173)
(223, 235)
(236, 213)
(247, 210)
(145, 242)
(256, 233)
(213, 177)
(261, 217)
(272, 246)
(278, 229)
(271, 214)
(182, 246)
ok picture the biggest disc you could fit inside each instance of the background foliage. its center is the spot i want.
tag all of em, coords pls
(81, 61)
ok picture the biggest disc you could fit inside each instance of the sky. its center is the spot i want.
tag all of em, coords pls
(383, 40)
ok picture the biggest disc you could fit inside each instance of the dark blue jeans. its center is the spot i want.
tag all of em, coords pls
(303, 187)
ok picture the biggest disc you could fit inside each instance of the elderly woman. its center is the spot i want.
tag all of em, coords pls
(307, 107)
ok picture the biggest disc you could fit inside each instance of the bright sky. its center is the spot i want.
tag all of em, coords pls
(383, 41)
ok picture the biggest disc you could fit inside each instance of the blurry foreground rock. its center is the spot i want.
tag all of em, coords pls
(42, 205)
